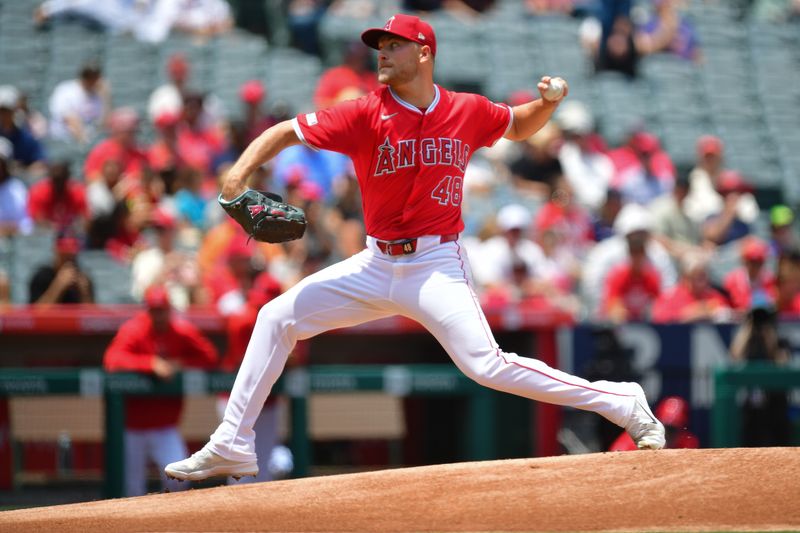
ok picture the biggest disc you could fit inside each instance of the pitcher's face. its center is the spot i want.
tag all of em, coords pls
(398, 60)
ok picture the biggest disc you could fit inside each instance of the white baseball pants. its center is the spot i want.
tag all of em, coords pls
(431, 286)
(266, 426)
(161, 446)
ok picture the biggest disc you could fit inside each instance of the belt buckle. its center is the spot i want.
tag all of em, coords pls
(406, 246)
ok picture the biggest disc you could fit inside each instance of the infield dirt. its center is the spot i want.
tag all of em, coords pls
(670, 490)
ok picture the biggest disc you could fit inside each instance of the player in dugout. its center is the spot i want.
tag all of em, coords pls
(155, 342)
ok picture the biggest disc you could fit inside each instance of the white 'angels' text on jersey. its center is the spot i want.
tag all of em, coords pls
(432, 151)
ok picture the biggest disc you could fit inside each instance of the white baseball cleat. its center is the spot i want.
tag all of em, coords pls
(205, 464)
(643, 427)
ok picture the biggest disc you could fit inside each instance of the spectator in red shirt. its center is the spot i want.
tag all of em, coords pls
(741, 283)
(168, 153)
(632, 287)
(157, 343)
(567, 218)
(693, 298)
(119, 233)
(229, 284)
(239, 329)
(121, 145)
(643, 170)
(196, 138)
(354, 75)
(788, 284)
(673, 411)
(256, 121)
(57, 201)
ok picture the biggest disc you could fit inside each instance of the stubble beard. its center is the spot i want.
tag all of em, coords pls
(397, 76)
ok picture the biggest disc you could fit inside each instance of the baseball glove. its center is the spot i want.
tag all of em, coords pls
(265, 216)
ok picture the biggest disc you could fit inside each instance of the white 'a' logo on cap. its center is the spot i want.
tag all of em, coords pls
(420, 36)
(389, 24)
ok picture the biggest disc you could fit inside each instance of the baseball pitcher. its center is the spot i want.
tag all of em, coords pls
(410, 142)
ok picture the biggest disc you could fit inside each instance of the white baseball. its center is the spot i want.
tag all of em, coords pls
(554, 89)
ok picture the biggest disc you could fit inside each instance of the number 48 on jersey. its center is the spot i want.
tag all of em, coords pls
(449, 191)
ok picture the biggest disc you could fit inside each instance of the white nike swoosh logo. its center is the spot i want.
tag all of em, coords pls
(387, 117)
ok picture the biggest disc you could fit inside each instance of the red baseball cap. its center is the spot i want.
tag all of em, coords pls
(405, 26)
(68, 244)
(645, 142)
(709, 144)
(754, 249)
(156, 297)
(673, 411)
(252, 91)
(177, 65)
(163, 219)
(732, 181)
(166, 119)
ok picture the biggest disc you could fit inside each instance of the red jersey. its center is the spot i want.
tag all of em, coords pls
(131, 159)
(410, 163)
(62, 209)
(740, 289)
(675, 304)
(134, 348)
(337, 79)
(636, 290)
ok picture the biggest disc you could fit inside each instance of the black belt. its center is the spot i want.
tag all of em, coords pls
(408, 246)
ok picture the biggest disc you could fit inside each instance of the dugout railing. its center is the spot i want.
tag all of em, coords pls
(726, 430)
(298, 384)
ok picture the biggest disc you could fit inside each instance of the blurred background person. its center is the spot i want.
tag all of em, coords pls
(672, 226)
(667, 30)
(787, 284)
(121, 144)
(510, 251)
(160, 262)
(158, 343)
(58, 201)
(28, 152)
(753, 278)
(633, 221)
(765, 413)
(252, 93)
(62, 281)
(603, 219)
(704, 199)
(78, 107)
(728, 224)
(782, 236)
(583, 156)
(692, 299)
(536, 168)
(643, 170)
(355, 72)
(632, 286)
(14, 216)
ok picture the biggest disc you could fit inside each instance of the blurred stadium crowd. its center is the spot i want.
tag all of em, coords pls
(664, 189)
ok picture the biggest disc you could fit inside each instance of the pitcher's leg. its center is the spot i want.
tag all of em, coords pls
(344, 294)
(446, 305)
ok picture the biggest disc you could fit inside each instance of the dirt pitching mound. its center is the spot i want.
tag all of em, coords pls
(670, 490)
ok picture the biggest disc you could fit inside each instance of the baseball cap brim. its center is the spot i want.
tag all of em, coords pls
(371, 36)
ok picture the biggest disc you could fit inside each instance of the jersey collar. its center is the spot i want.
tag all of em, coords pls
(414, 108)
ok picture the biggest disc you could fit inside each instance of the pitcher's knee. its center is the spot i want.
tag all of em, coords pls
(278, 320)
(479, 374)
